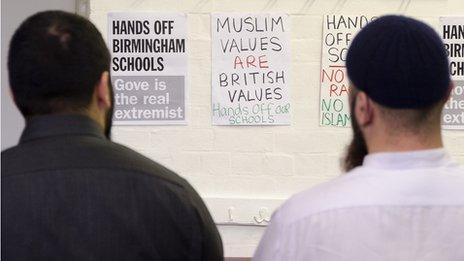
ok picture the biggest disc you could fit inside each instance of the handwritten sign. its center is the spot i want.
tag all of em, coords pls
(338, 32)
(452, 31)
(250, 73)
(148, 67)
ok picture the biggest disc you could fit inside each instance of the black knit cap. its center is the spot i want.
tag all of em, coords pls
(399, 62)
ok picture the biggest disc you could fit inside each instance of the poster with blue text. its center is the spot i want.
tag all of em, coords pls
(250, 69)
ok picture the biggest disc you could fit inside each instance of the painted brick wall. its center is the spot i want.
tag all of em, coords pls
(259, 162)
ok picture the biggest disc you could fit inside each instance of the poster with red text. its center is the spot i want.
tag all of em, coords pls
(250, 69)
(338, 32)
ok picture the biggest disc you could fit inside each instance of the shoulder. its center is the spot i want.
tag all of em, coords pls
(122, 157)
(282, 229)
(9, 152)
(84, 152)
(337, 193)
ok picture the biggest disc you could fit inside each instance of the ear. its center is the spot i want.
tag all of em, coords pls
(363, 109)
(103, 91)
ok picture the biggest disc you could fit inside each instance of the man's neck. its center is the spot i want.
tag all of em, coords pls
(94, 115)
(405, 142)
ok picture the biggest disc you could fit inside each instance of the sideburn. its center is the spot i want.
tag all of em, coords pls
(357, 149)
(109, 113)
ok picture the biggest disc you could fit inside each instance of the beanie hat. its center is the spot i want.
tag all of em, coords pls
(399, 62)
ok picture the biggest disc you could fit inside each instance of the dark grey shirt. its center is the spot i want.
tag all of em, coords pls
(68, 193)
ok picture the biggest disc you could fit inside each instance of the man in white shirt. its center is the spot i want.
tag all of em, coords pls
(402, 197)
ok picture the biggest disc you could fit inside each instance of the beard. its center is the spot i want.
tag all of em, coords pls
(109, 113)
(357, 149)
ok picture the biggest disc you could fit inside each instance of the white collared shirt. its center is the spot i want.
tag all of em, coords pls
(397, 206)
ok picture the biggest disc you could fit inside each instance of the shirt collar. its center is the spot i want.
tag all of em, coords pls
(44, 126)
(408, 160)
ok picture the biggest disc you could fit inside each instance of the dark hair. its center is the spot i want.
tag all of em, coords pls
(357, 149)
(54, 62)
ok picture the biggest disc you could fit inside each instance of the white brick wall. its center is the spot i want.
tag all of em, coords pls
(259, 162)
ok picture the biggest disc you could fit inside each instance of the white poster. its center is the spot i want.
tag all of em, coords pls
(338, 32)
(250, 69)
(452, 32)
(148, 67)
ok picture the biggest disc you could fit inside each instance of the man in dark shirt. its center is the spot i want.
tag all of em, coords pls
(68, 192)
